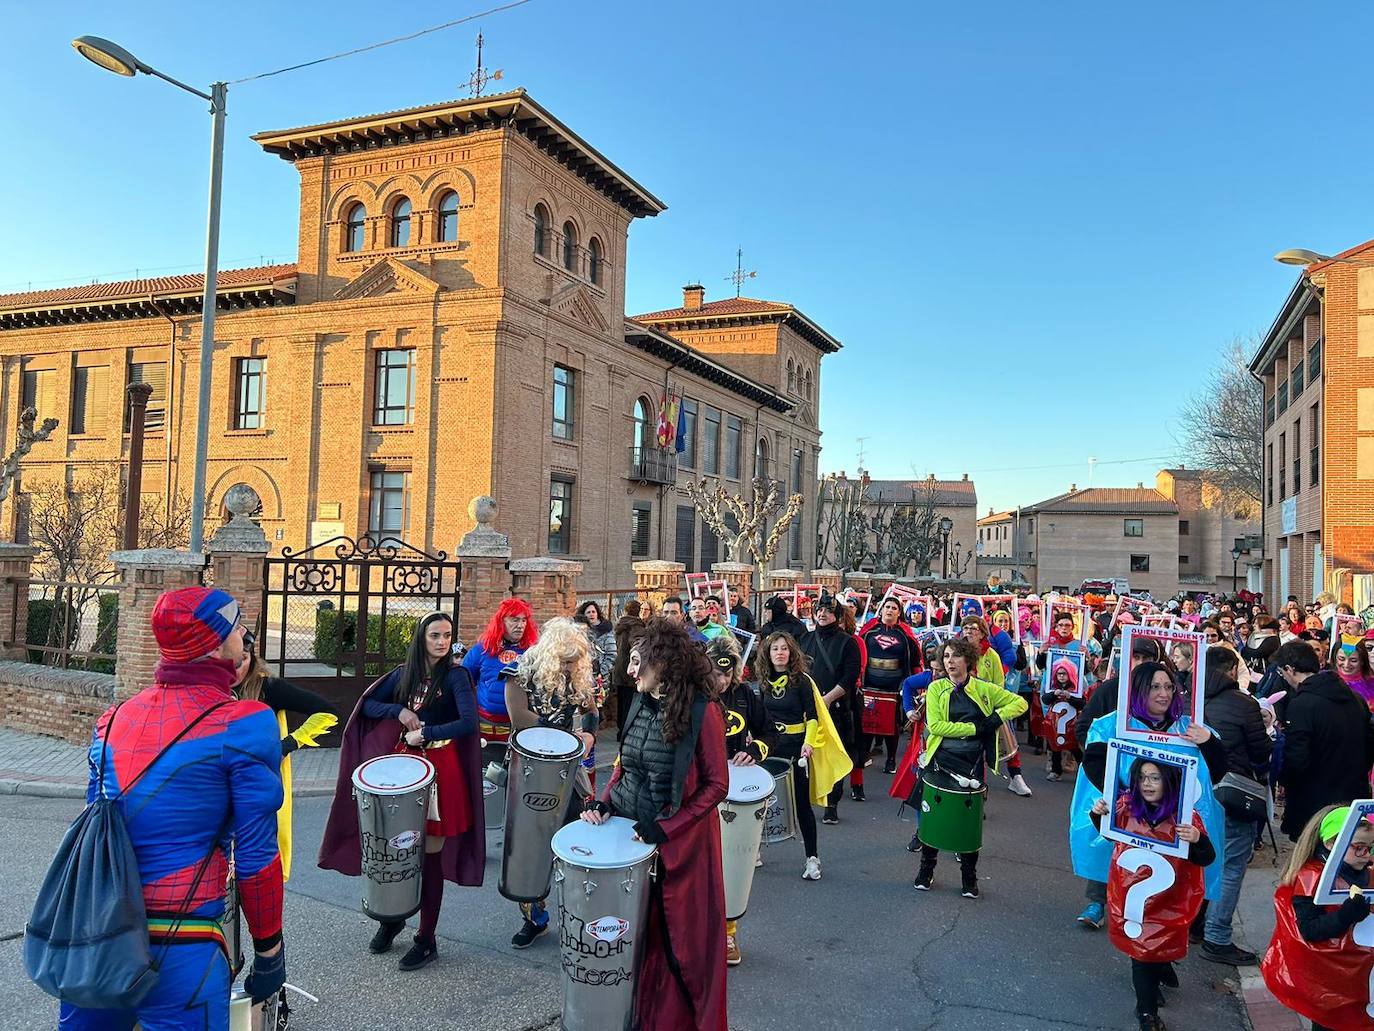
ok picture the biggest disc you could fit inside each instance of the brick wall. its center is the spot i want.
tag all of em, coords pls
(57, 703)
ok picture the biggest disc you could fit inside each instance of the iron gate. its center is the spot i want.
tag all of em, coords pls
(341, 613)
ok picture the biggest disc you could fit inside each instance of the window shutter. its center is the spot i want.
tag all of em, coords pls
(686, 528)
(710, 546)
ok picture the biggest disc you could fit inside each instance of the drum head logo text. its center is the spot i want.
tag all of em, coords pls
(541, 801)
(608, 928)
(405, 840)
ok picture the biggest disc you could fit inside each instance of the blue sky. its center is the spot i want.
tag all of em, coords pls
(1032, 225)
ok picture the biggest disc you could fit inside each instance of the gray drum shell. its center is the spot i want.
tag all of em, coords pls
(538, 788)
(780, 818)
(598, 977)
(391, 875)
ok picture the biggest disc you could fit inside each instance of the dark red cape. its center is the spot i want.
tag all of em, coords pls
(464, 858)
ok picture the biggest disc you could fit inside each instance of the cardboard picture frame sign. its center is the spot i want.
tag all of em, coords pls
(1345, 624)
(1167, 620)
(696, 584)
(859, 601)
(1330, 891)
(1113, 663)
(1076, 657)
(746, 642)
(1121, 757)
(906, 597)
(1081, 614)
(956, 613)
(807, 594)
(1137, 607)
(1037, 620)
(1192, 688)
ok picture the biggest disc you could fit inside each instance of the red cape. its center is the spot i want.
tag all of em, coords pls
(464, 858)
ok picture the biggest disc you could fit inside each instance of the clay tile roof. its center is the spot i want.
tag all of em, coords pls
(730, 306)
(950, 493)
(94, 293)
(1108, 501)
(996, 517)
(678, 319)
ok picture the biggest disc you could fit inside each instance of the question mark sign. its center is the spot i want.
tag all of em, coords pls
(1161, 877)
(1063, 712)
(1364, 935)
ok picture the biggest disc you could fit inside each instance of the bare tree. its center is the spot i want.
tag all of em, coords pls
(1221, 427)
(158, 528)
(913, 531)
(753, 534)
(842, 522)
(28, 436)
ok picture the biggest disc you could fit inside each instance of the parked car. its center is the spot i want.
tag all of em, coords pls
(1117, 585)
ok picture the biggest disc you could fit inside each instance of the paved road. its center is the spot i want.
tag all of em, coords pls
(859, 950)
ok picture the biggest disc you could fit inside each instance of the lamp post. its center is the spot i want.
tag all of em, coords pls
(946, 525)
(1235, 563)
(114, 58)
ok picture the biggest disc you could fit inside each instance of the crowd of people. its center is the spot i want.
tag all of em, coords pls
(949, 695)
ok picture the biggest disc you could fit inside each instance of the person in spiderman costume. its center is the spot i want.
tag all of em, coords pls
(219, 782)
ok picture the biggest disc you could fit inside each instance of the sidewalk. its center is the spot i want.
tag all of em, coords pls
(1254, 926)
(48, 768)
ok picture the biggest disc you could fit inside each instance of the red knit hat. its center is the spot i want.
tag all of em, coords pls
(191, 622)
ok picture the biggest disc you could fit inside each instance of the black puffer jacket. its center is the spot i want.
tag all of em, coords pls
(1329, 749)
(627, 631)
(1235, 717)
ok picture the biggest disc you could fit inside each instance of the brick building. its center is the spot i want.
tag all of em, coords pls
(1176, 536)
(454, 326)
(1317, 367)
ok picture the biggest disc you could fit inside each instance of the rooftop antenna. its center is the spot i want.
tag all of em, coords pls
(1092, 463)
(861, 453)
(739, 275)
(480, 78)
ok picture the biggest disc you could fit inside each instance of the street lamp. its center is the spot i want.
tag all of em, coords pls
(1302, 256)
(1235, 563)
(114, 58)
(946, 525)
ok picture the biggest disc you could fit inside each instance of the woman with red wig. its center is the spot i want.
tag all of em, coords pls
(509, 633)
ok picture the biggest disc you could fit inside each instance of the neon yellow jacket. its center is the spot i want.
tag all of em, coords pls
(988, 697)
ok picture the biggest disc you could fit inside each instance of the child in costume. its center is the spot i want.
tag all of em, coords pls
(1320, 958)
(1060, 689)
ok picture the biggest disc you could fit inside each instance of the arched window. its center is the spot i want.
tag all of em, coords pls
(791, 377)
(448, 218)
(809, 384)
(355, 222)
(569, 247)
(541, 230)
(644, 424)
(761, 458)
(400, 224)
(594, 260)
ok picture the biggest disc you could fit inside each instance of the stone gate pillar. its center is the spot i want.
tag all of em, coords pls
(656, 580)
(486, 578)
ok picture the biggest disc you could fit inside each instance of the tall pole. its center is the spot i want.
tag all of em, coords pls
(218, 92)
(138, 413)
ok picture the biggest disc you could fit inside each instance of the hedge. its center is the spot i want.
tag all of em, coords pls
(334, 637)
(42, 612)
(106, 633)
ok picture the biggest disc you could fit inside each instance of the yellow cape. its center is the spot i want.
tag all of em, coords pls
(284, 813)
(829, 763)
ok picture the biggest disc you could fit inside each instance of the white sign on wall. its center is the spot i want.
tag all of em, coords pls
(1288, 516)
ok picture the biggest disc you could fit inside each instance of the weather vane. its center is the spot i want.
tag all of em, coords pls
(480, 78)
(739, 275)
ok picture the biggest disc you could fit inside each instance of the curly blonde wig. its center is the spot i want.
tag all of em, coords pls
(541, 667)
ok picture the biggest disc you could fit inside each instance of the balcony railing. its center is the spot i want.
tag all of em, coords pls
(652, 465)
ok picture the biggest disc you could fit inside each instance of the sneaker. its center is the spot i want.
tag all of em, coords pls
(914, 845)
(857, 793)
(758, 861)
(732, 956)
(524, 938)
(1150, 1022)
(1018, 786)
(421, 954)
(925, 876)
(386, 934)
(831, 815)
(890, 766)
(1052, 776)
(1228, 954)
(813, 869)
(1093, 917)
(970, 888)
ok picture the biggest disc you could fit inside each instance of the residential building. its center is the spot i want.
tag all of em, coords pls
(454, 326)
(955, 500)
(1316, 364)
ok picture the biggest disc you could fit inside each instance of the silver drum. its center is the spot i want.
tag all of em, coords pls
(392, 792)
(601, 874)
(244, 1016)
(741, 829)
(539, 783)
(780, 818)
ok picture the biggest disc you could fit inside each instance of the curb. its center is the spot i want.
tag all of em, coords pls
(1262, 1011)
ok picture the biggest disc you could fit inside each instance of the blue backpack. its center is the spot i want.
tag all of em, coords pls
(86, 941)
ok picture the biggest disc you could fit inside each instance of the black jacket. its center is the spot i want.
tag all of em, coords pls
(835, 659)
(744, 618)
(788, 624)
(1257, 658)
(1235, 717)
(627, 629)
(1328, 751)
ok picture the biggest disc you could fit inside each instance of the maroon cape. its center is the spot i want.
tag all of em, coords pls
(464, 858)
(681, 979)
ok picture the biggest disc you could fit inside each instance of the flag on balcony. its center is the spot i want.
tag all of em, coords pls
(681, 425)
(667, 419)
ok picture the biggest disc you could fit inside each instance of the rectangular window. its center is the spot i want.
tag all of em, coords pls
(1030, 525)
(710, 546)
(685, 537)
(560, 516)
(1314, 362)
(794, 532)
(1140, 563)
(248, 377)
(1283, 397)
(1297, 455)
(1283, 466)
(90, 397)
(1183, 560)
(710, 442)
(389, 505)
(796, 470)
(734, 433)
(1183, 528)
(1269, 411)
(394, 388)
(641, 517)
(155, 375)
(688, 456)
(563, 401)
(1134, 528)
(1269, 475)
(1314, 445)
(1296, 383)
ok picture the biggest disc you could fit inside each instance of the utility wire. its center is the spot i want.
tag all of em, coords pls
(384, 43)
(1070, 465)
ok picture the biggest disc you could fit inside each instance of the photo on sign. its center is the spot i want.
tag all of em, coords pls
(1347, 624)
(1352, 846)
(999, 614)
(1076, 611)
(1029, 620)
(965, 605)
(859, 601)
(1174, 698)
(1064, 671)
(911, 601)
(1149, 794)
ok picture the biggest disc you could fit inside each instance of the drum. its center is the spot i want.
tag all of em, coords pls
(601, 875)
(951, 818)
(880, 712)
(543, 765)
(780, 814)
(741, 830)
(244, 1016)
(392, 792)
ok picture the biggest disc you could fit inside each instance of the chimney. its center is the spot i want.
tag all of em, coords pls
(1073, 487)
(966, 477)
(693, 294)
(1139, 484)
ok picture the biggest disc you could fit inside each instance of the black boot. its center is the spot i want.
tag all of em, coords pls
(386, 934)
(968, 874)
(925, 875)
(857, 793)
